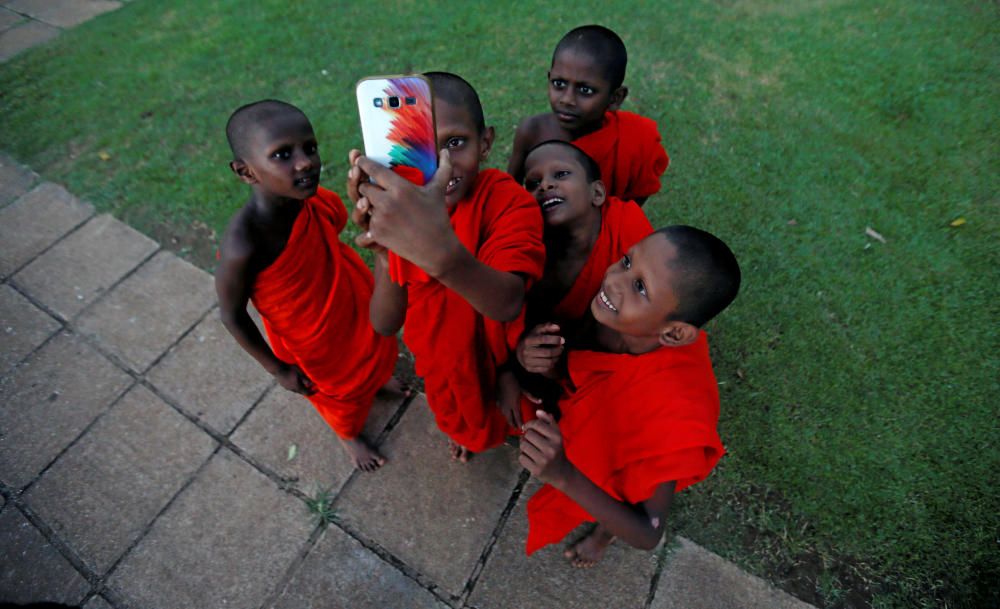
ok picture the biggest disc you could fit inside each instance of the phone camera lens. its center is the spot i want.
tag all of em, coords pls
(411, 101)
(378, 102)
(393, 102)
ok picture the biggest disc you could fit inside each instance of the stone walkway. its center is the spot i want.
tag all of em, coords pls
(27, 23)
(146, 461)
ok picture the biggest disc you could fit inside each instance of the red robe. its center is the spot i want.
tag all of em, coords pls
(632, 423)
(456, 349)
(627, 147)
(622, 225)
(314, 303)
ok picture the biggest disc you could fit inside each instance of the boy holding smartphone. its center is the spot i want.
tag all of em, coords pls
(454, 260)
(282, 251)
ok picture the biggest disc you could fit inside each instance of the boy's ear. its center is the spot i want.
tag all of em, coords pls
(678, 334)
(243, 171)
(599, 193)
(486, 144)
(617, 98)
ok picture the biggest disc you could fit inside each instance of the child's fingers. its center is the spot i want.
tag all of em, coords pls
(532, 398)
(543, 352)
(544, 340)
(532, 452)
(383, 176)
(547, 427)
(352, 156)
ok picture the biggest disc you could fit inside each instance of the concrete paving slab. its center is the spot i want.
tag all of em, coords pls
(545, 580)
(8, 19)
(695, 578)
(284, 419)
(31, 569)
(105, 490)
(48, 401)
(15, 179)
(63, 13)
(84, 265)
(33, 222)
(340, 573)
(210, 376)
(145, 314)
(23, 327)
(443, 520)
(20, 38)
(225, 542)
(97, 602)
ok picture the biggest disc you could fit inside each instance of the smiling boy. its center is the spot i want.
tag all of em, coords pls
(639, 419)
(585, 231)
(282, 251)
(585, 94)
(454, 260)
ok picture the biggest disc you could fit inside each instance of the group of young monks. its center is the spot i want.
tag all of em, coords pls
(538, 303)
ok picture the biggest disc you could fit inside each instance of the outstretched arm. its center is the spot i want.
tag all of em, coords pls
(232, 284)
(413, 222)
(543, 456)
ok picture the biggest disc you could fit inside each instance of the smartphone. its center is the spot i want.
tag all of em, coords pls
(397, 123)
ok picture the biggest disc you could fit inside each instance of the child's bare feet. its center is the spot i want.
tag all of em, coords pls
(365, 457)
(588, 551)
(397, 386)
(459, 453)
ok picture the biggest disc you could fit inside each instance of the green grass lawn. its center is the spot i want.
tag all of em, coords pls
(859, 377)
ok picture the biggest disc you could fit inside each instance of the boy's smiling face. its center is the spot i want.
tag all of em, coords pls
(579, 92)
(637, 296)
(456, 131)
(559, 183)
(284, 161)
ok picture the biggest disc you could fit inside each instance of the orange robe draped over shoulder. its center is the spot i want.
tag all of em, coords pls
(629, 424)
(456, 349)
(622, 225)
(314, 303)
(627, 148)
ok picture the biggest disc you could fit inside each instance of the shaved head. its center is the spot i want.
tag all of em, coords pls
(590, 167)
(458, 92)
(244, 122)
(600, 44)
(709, 276)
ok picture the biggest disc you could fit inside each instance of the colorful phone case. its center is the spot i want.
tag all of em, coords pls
(397, 123)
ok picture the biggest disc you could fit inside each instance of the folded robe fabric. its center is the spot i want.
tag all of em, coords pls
(629, 424)
(622, 225)
(456, 349)
(314, 303)
(627, 148)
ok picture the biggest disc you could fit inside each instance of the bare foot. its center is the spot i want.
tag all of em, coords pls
(588, 551)
(365, 458)
(397, 386)
(459, 453)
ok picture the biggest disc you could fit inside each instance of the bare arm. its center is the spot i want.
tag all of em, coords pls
(387, 309)
(413, 222)
(640, 525)
(233, 281)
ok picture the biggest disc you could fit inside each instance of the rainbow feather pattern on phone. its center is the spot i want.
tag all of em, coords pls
(412, 126)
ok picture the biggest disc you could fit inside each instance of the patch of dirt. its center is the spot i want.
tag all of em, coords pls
(197, 244)
(829, 580)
